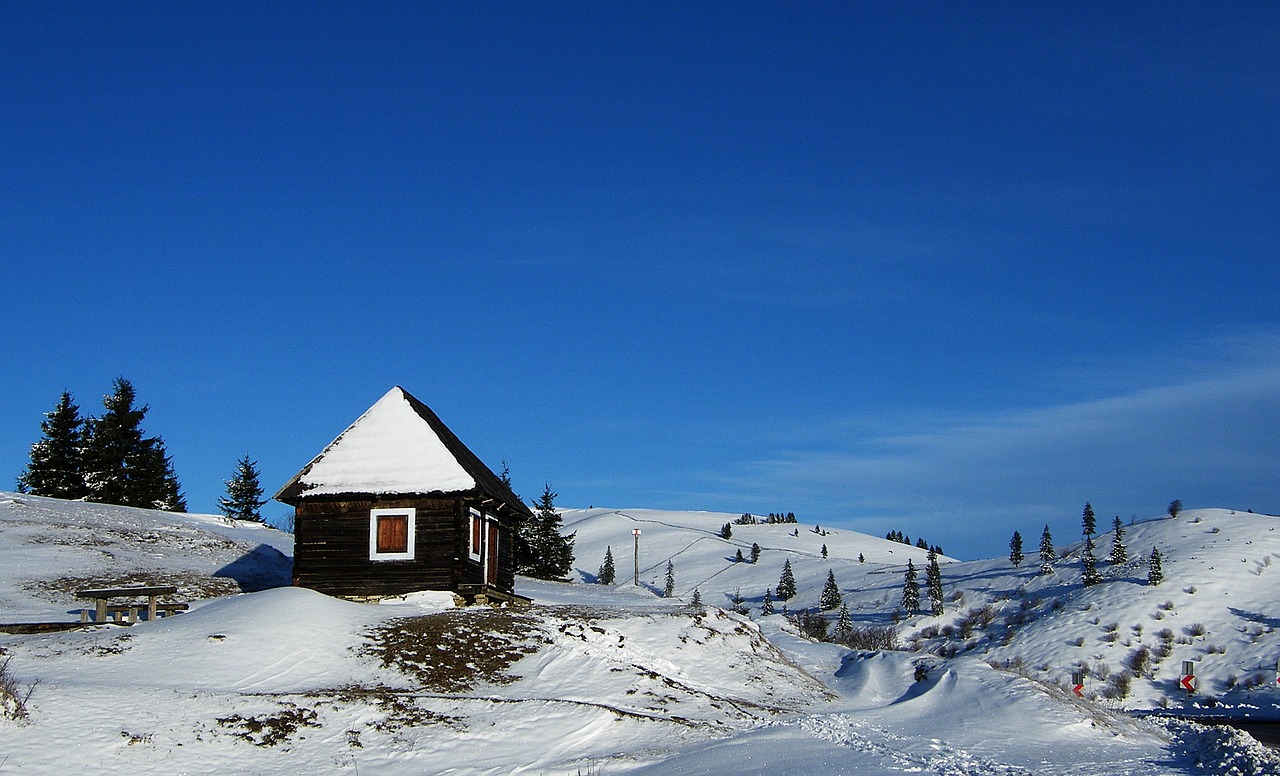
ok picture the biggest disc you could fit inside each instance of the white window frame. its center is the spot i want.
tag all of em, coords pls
(476, 517)
(374, 514)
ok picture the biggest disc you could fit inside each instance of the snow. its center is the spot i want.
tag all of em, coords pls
(389, 449)
(613, 680)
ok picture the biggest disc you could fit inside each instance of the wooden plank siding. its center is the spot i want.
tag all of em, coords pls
(331, 548)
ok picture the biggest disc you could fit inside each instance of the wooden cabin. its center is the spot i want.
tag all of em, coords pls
(397, 504)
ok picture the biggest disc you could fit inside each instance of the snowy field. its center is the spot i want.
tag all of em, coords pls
(258, 679)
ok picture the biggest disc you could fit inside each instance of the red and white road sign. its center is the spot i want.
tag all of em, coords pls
(1189, 683)
(1078, 690)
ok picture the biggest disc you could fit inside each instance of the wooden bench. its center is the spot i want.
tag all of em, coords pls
(103, 608)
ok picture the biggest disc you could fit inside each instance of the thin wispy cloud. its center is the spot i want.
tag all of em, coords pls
(975, 477)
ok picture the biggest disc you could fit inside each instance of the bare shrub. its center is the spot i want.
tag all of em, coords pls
(1138, 661)
(1196, 629)
(872, 638)
(1118, 687)
(976, 619)
(13, 696)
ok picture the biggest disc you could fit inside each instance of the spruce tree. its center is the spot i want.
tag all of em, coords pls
(1015, 549)
(824, 551)
(843, 632)
(1089, 574)
(244, 499)
(755, 552)
(1119, 553)
(1155, 573)
(607, 573)
(910, 591)
(933, 579)
(1175, 507)
(726, 531)
(738, 557)
(787, 582)
(862, 558)
(1089, 522)
(669, 586)
(697, 598)
(1047, 553)
(549, 555)
(56, 469)
(121, 465)
(830, 597)
(766, 606)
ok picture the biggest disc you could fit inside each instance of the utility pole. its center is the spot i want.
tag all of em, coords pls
(636, 533)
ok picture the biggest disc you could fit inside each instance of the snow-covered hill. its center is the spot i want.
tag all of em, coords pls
(53, 548)
(592, 679)
(1218, 605)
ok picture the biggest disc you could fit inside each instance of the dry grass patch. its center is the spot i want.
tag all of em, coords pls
(456, 650)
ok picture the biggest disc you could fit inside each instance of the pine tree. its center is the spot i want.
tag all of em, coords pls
(1089, 574)
(1175, 507)
(739, 603)
(56, 468)
(1047, 553)
(1155, 573)
(1088, 521)
(697, 598)
(607, 573)
(244, 499)
(787, 582)
(738, 557)
(669, 587)
(824, 551)
(933, 579)
(830, 597)
(755, 553)
(1015, 549)
(910, 591)
(1119, 553)
(862, 558)
(549, 554)
(726, 531)
(766, 606)
(843, 632)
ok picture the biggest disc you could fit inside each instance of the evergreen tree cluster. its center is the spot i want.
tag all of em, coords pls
(773, 518)
(541, 550)
(902, 538)
(106, 459)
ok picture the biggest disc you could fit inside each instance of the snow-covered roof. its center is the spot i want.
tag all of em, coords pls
(398, 446)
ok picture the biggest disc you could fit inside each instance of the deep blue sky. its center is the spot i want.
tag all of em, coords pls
(951, 270)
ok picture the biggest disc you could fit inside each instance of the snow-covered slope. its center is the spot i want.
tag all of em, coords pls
(53, 548)
(1217, 606)
(592, 679)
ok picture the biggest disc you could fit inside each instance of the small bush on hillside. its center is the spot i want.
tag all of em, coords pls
(1139, 660)
(810, 624)
(1118, 687)
(871, 638)
(1196, 629)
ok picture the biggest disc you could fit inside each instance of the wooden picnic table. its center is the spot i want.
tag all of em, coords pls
(103, 596)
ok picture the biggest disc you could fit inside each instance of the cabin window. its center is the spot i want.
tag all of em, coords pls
(391, 534)
(477, 535)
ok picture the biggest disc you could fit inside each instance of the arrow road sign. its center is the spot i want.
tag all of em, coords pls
(1078, 690)
(1189, 683)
